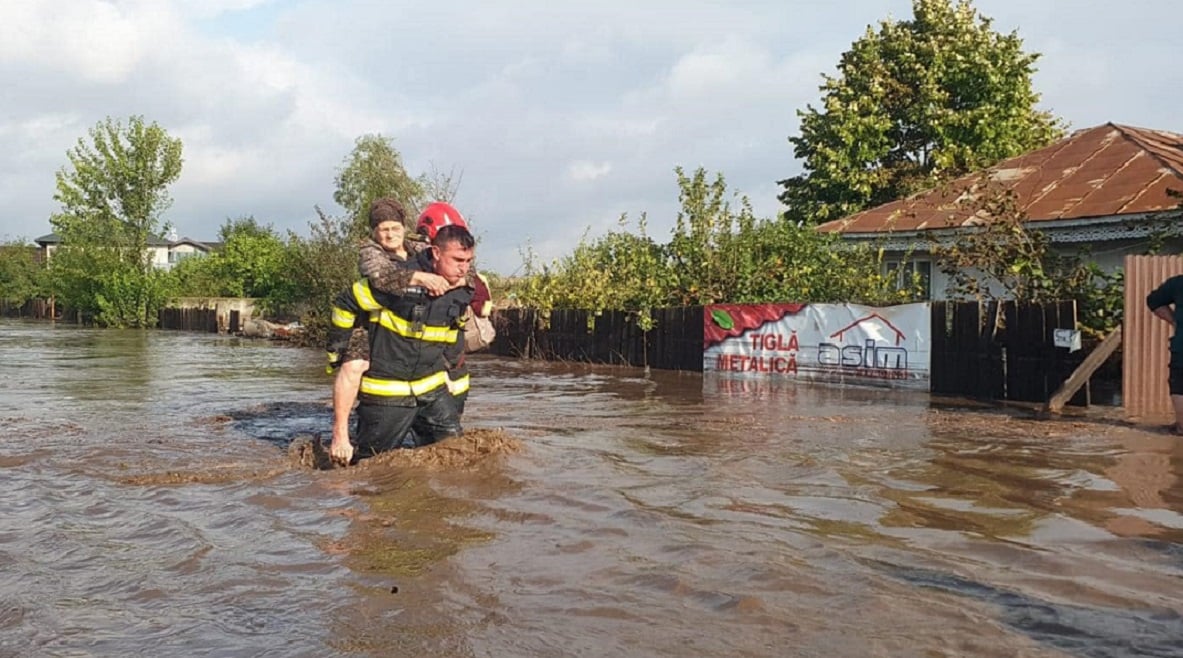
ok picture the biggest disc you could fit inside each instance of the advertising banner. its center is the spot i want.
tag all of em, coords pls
(837, 343)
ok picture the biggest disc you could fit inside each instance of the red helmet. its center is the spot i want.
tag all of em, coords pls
(438, 214)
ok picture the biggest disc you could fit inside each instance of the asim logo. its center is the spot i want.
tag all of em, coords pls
(879, 356)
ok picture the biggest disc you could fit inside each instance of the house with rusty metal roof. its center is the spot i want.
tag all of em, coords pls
(1105, 189)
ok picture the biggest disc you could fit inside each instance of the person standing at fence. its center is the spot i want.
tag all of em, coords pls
(1166, 302)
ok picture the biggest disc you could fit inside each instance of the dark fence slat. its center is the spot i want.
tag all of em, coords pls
(675, 342)
(189, 319)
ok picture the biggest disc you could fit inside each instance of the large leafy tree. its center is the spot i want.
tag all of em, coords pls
(915, 103)
(21, 276)
(249, 263)
(251, 257)
(112, 197)
(374, 169)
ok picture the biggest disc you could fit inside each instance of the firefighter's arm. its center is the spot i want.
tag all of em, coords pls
(346, 311)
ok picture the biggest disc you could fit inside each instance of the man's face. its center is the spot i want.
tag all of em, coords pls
(389, 235)
(452, 261)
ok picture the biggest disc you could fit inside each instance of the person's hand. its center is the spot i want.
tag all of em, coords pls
(434, 284)
(341, 451)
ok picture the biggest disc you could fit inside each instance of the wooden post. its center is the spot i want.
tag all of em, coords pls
(1055, 403)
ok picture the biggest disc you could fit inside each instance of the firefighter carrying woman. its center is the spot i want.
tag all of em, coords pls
(398, 335)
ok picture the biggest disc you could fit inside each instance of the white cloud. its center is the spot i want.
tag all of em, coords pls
(97, 42)
(560, 117)
(717, 69)
(205, 9)
(582, 171)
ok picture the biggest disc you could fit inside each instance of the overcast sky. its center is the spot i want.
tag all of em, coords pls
(559, 116)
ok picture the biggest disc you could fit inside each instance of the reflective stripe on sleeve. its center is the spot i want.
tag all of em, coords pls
(361, 292)
(343, 319)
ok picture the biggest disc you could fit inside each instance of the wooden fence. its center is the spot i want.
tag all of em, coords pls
(185, 318)
(1002, 350)
(37, 309)
(189, 319)
(612, 337)
(988, 350)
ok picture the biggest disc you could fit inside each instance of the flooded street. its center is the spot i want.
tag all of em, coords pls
(151, 509)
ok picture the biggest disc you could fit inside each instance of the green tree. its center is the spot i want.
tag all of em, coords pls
(439, 185)
(704, 265)
(915, 103)
(725, 254)
(251, 258)
(112, 198)
(317, 268)
(374, 169)
(617, 271)
(717, 253)
(198, 276)
(21, 277)
(249, 263)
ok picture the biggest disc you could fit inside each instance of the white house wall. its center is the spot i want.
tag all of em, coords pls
(1108, 255)
(159, 257)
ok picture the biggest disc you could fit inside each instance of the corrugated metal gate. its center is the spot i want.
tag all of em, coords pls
(1145, 338)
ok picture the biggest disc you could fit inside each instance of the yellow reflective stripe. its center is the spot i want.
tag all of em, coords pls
(361, 292)
(431, 333)
(395, 387)
(458, 386)
(343, 319)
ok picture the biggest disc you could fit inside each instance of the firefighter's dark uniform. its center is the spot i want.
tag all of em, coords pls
(410, 336)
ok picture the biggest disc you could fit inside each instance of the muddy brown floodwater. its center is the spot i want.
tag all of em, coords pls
(155, 504)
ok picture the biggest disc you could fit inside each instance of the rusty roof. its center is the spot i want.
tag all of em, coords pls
(1097, 172)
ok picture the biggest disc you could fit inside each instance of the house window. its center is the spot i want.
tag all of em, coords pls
(175, 257)
(906, 272)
